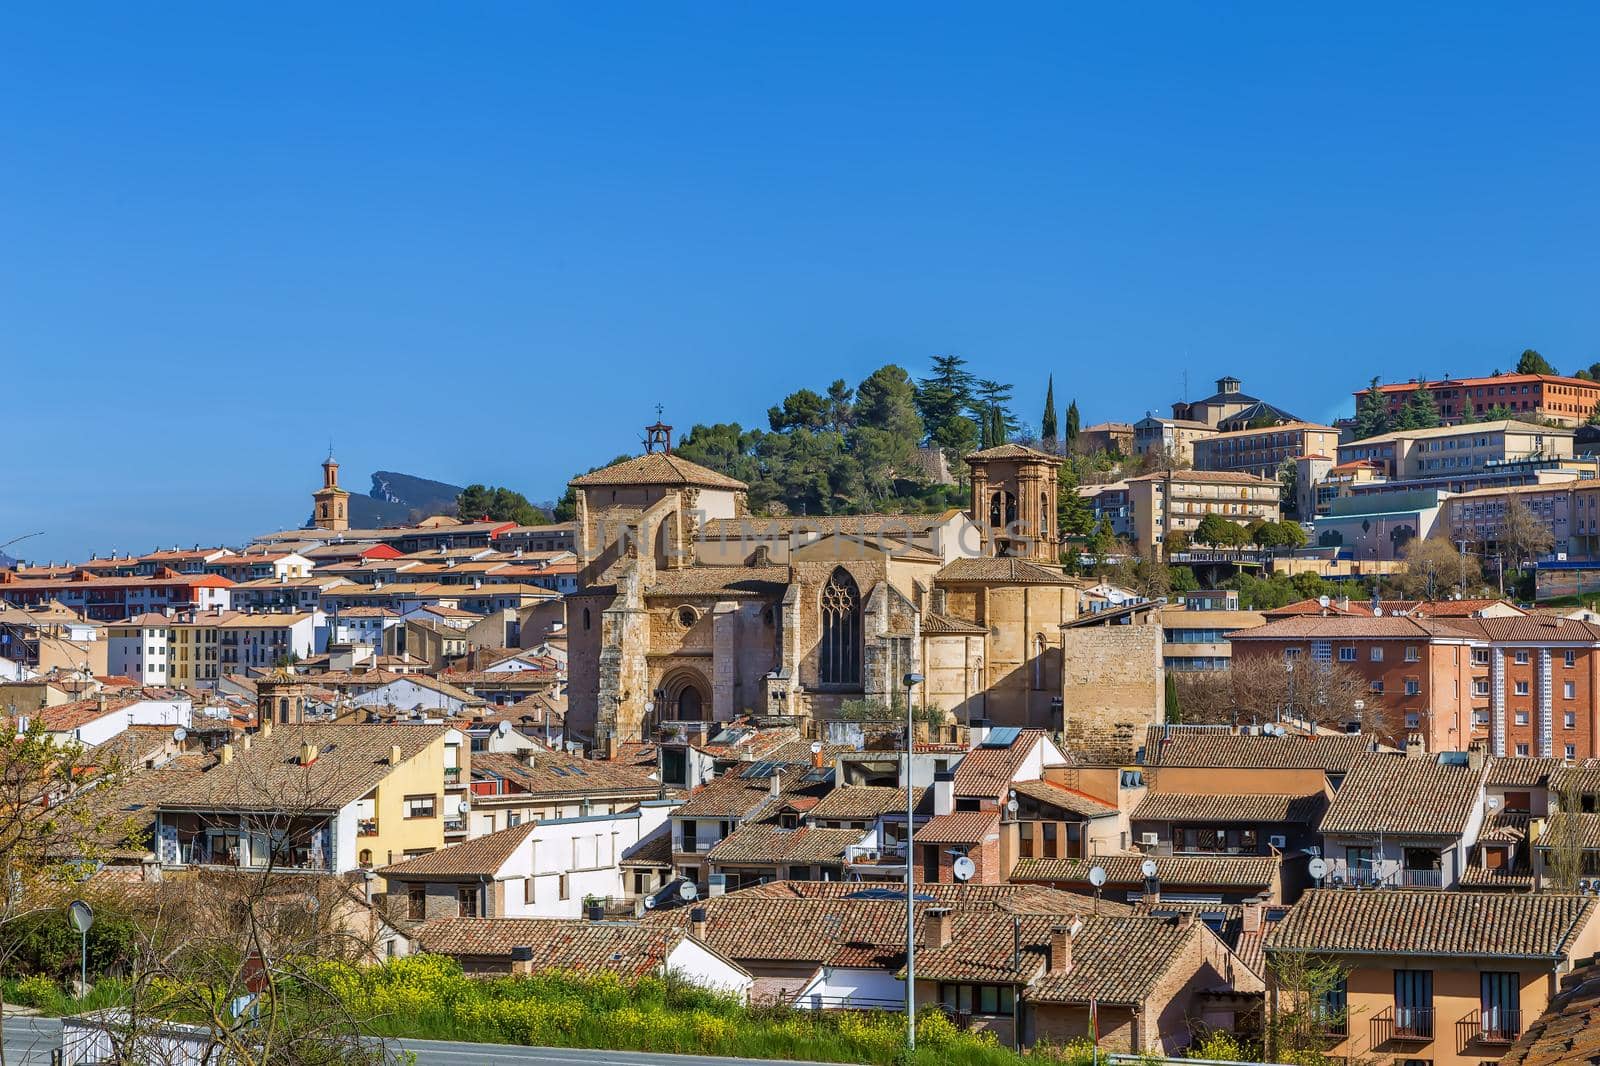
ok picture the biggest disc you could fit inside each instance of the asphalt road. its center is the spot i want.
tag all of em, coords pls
(28, 1042)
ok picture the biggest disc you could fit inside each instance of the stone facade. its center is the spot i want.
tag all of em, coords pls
(1111, 677)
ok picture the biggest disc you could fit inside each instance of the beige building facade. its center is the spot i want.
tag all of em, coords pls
(1176, 501)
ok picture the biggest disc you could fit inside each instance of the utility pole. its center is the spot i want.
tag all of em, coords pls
(911, 679)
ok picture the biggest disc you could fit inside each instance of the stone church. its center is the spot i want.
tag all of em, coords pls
(689, 608)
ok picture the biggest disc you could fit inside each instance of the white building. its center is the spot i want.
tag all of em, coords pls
(141, 648)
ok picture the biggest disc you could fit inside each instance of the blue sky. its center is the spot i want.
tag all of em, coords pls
(482, 243)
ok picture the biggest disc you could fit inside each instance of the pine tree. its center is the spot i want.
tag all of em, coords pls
(1372, 413)
(1174, 712)
(1421, 412)
(1047, 424)
(1072, 423)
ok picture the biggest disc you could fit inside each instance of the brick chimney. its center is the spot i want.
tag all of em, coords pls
(1061, 947)
(394, 755)
(937, 926)
(1253, 911)
(225, 755)
(522, 960)
(697, 923)
(1415, 748)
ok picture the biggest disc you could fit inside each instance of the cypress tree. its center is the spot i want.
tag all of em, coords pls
(1047, 424)
(1072, 422)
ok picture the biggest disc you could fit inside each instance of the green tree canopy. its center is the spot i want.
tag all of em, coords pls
(1372, 412)
(1047, 422)
(498, 505)
(1531, 362)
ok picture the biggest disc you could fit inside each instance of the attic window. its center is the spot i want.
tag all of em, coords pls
(687, 616)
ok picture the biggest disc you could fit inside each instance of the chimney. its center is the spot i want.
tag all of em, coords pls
(1252, 914)
(697, 923)
(522, 960)
(936, 927)
(1185, 919)
(266, 725)
(100, 703)
(225, 754)
(1060, 948)
(308, 753)
(530, 757)
(775, 783)
(394, 755)
(244, 742)
(1475, 755)
(944, 792)
(1415, 749)
(817, 759)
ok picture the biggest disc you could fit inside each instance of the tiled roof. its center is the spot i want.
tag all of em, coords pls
(720, 580)
(1189, 807)
(732, 796)
(1399, 922)
(935, 624)
(1116, 960)
(1352, 627)
(1586, 825)
(553, 774)
(1486, 879)
(1443, 608)
(1525, 770)
(657, 468)
(653, 852)
(1531, 629)
(558, 944)
(1581, 777)
(1008, 571)
(1015, 451)
(351, 759)
(864, 802)
(1568, 1032)
(1230, 871)
(1210, 477)
(479, 857)
(1393, 793)
(860, 524)
(987, 772)
(1165, 746)
(960, 827)
(1009, 898)
(835, 931)
(1067, 799)
(764, 844)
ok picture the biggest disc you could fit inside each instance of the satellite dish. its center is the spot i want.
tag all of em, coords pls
(1097, 876)
(465, 806)
(1377, 612)
(1323, 601)
(1148, 867)
(1317, 868)
(687, 891)
(963, 868)
(1493, 803)
(649, 903)
(504, 728)
(180, 734)
(816, 747)
(1011, 807)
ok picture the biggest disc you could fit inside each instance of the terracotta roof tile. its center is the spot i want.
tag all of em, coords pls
(554, 774)
(1189, 807)
(764, 844)
(987, 772)
(1247, 871)
(1008, 571)
(1016, 451)
(657, 468)
(558, 944)
(1116, 960)
(960, 827)
(1525, 770)
(1399, 922)
(479, 857)
(1165, 746)
(864, 802)
(1568, 1032)
(1067, 799)
(1393, 793)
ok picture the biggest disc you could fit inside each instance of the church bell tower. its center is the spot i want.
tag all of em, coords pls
(331, 504)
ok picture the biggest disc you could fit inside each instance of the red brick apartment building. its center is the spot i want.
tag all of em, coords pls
(1525, 685)
(1569, 401)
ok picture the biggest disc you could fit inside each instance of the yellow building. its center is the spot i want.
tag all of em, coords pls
(1448, 978)
(315, 798)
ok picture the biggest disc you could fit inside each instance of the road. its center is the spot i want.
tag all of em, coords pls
(28, 1042)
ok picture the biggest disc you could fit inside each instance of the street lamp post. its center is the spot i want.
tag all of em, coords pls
(911, 680)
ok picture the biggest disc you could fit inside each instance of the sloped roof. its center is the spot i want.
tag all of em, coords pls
(1068, 799)
(1400, 922)
(1522, 770)
(558, 944)
(1393, 793)
(1568, 1032)
(1166, 746)
(765, 844)
(1007, 571)
(657, 468)
(479, 857)
(1189, 807)
(960, 827)
(987, 772)
(556, 774)
(1116, 960)
(1223, 871)
(864, 802)
(1015, 451)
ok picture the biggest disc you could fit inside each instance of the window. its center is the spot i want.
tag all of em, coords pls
(467, 902)
(1570, 659)
(421, 806)
(1377, 686)
(978, 999)
(1332, 1008)
(513, 819)
(1499, 1005)
(1569, 690)
(1347, 655)
(1413, 686)
(563, 888)
(1480, 686)
(1522, 718)
(841, 631)
(1411, 653)
(1413, 721)
(1480, 656)
(1377, 655)
(1522, 751)
(1522, 688)
(1413, 1003)
(1569, 720)
(1571, 752)
(417, 904)
(1521, 658)
(529, 889)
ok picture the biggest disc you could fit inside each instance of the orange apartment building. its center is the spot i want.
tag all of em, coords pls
(1569, 401)
(1525, 685)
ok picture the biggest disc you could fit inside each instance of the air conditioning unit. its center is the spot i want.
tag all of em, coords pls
(1149, 840)
(1277, 841)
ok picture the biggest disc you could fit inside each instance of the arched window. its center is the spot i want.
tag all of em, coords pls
(1002, 509)
(1046, 519)
(689, 704)
(841, 631)
(586, 618)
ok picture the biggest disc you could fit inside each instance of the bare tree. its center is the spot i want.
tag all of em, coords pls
(1523, 533)
(1258, 688)
(1433, 568)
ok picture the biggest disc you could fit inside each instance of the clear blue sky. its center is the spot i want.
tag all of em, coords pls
(480, 242)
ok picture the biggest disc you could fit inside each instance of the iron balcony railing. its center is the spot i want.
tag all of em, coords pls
(1494, 1026)
(1402, 1025)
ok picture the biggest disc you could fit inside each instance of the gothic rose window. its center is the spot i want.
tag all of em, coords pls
(841, 631)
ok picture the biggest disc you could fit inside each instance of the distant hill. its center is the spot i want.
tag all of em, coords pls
(399, 498)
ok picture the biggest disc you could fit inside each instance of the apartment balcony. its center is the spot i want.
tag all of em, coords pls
(366, 827)
(1494, 1028)
(452, 775)
(1403, 1025)
(875, 855)
(455, 825)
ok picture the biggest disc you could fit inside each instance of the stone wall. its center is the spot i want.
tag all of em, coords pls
(1111, 676)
